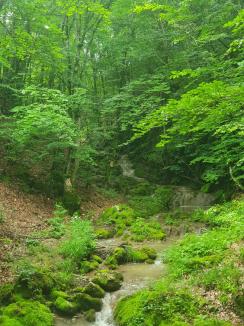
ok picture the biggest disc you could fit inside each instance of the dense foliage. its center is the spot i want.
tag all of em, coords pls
(81, 83)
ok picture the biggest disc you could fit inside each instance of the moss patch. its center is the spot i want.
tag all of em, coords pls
(31, 313)
(109, 281)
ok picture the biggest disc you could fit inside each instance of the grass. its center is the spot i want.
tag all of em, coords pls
(80, 241)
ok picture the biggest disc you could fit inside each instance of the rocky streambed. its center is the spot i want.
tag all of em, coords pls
(135, 277)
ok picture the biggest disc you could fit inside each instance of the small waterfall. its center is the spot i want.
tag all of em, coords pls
(188, 200)
(127, 168)
(105, 317)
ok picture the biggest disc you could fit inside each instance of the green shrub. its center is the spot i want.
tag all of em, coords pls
(142, 230)
(80, 242)
(142, 189)
(146, 206)
(33, 282)
(57, 222)
(119, 217)
(119, 214)
(195, 252)
(71, 202)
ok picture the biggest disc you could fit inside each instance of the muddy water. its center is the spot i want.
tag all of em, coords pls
(136, 276)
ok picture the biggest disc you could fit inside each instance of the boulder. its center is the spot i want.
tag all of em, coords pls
(85, 302)
(109, 281)
(94, 290)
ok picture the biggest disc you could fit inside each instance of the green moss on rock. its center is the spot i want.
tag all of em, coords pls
(97, 259)
(56, 293)
(88, 266)
(85, 302)
(150, 252)
(65, 307)
(90, 315)
(6, 293)
(32, 282)
(126, 254)
(94, 290)
(31, 313)
(7, 321)
(104, 233)
(108, 280)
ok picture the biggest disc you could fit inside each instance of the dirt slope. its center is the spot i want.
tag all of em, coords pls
(22, 214)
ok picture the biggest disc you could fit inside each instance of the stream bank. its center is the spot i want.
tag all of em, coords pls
(136, 276)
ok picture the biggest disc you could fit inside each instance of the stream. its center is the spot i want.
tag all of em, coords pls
(136, 277)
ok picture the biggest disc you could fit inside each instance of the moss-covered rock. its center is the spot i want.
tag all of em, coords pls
(90, 315)
(142, 229)
(108, 280)
(7, 321)
(126, 254)
(150, 252)
(118, 217)
(85, 302)
(31, 313)
(104, 233)
(88, 266)
(56, 294)
(97, 259)
(6, 293)
(65, 307)
(94, 290)
(150, 261)
(33, 282)
(137, 256)
(120, 255)
(111, 262)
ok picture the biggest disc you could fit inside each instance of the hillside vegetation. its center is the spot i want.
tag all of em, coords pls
(121, 143)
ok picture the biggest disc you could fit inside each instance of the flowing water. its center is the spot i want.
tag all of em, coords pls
(136, 277)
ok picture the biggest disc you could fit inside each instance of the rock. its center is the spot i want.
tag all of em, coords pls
(120, 254)
(97, 259)
(109, 281)
(55, 294)
(150, 261)
(88, 266)
(36, 282)
(150, 252)
(65, 307)
(85, 302)
(94, 290)
(26, 313)
(104, 233)
(90, 315)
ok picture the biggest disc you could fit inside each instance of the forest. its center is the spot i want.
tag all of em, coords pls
(121, 162)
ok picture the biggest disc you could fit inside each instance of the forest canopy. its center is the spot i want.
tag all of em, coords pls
(83, 82)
